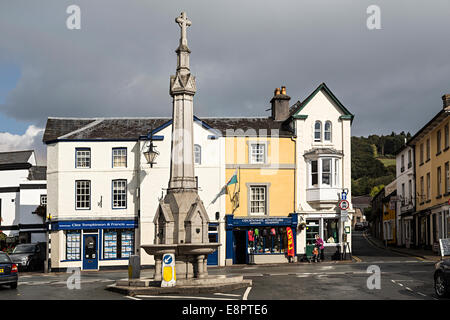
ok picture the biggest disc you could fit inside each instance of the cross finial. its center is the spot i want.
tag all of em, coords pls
(183, 22)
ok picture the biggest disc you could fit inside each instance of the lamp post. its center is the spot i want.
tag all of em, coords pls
(151, 153)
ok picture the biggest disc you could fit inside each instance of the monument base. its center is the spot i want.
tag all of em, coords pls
(184, 286)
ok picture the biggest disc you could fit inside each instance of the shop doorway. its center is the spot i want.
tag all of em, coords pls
(90, 256)
(240, 247)
(213, 236)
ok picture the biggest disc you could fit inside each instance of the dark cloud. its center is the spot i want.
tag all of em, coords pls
(120, 61)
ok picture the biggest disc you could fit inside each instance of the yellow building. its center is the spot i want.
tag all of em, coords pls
(260, 170)
(432, 161)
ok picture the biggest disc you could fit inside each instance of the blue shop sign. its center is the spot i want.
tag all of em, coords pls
(261, 221)
(96, 224)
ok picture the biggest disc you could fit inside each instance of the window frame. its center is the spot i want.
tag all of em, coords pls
(124, 194)
(78, 258)
(317, 130)
(329, 131)
(88, 195)
(83, 149)
(329, 173)
(250, 155)
(439, 141)
(43, 196)
(265, 187)
(113, 156)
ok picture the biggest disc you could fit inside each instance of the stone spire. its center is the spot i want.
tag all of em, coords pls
(182, 90)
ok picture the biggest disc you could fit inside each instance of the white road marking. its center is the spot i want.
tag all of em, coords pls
(423, 295)
(227, 294)
(245, 297)
(133, 298)
(183, 297)
(409, 289)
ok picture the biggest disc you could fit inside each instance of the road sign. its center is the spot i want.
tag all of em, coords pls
(168, 271)
(344, 204)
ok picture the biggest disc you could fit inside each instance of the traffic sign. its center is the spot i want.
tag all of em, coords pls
(168, 271)
(344, 204)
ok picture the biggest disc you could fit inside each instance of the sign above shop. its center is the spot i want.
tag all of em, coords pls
(445, 247)
(261, 221)
(95, 224)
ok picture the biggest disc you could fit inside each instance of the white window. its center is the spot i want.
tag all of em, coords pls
(257, 153)
(327, 132)
(336, 172)
(314, 173)
(73, 245)
(318, 131)
(119, 157)
(82, 157)
(197, 154)
(43, 200)
(119, 194)
(326, 171)
(83, 194)
(258, 200)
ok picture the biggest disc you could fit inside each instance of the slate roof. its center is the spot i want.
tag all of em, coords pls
(15, 157)
(59, 129)
(37, 173)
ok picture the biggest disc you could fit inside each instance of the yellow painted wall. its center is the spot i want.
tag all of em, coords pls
(281, 191)
(389, 214)
(431, 167)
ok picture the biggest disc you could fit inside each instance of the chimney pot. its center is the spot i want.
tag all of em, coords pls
(277, 91)
(283, 90)
(446, 100)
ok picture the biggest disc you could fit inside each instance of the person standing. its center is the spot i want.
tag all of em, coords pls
(319, 246)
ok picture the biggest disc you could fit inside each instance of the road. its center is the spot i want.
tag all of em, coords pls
(402, 278)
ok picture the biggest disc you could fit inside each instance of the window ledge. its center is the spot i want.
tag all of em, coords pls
(439, 196)
(428, 160)
(446, 194)
(421, 164)
(428, 201)
(446, 148)
(438, 153)
(422, 203)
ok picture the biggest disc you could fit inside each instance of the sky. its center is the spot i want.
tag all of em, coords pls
(119, 62)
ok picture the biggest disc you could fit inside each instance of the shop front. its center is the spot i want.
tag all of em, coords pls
(255, 240)
(92, 245)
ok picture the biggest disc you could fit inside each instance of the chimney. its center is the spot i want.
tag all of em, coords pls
(280, 104)
(446, 100)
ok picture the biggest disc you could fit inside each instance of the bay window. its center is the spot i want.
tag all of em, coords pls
(324, 172)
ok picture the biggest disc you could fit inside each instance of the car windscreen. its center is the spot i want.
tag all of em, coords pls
(23, 248)
(4, 258)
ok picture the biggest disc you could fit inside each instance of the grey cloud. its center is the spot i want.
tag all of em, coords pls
(119, 63)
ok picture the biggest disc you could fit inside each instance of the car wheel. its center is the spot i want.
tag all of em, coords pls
(13, 285)
(440, 286)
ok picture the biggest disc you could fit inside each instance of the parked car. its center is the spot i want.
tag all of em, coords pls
(8, 271)
(442, 278)
(29, 256)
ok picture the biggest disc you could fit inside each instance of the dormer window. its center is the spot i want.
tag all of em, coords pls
(327, 132)
(318, 131)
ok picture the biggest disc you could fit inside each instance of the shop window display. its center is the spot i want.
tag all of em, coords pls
(267, 240)
(312, 228)
(118, 244)
(330, 230)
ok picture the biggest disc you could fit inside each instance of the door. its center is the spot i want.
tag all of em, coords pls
(90, 255)
(213, 236)
(240, 245)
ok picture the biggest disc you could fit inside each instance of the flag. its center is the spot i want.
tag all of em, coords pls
(221, 193)
(233, 179)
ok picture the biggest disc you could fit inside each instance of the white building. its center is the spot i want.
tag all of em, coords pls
(22, 189)
(323, 160)
(406, 196)
(103, 195)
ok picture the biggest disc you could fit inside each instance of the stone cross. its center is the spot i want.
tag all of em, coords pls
(183, 22)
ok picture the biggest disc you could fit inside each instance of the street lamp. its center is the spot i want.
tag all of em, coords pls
(151, 153)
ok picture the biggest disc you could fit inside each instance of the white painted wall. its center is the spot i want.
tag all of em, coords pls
(321, 108)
